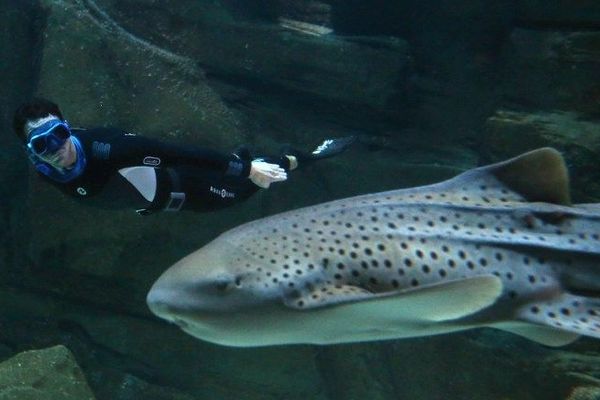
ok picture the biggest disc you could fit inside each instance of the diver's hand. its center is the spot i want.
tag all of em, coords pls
(263, 174)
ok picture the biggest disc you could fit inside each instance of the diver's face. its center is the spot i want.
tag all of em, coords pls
(64, 157)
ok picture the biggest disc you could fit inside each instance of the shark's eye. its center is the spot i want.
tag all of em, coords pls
(224, 285)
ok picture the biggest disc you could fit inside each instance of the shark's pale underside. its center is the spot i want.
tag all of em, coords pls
(498, 246)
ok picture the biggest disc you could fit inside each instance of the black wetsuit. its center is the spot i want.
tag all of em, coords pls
(186, 178)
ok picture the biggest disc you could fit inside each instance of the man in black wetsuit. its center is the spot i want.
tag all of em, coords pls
(111, 168)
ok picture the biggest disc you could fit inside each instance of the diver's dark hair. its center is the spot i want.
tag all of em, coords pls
(35, 109)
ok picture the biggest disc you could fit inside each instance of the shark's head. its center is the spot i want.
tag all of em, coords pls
(210, 280)
(221, 293)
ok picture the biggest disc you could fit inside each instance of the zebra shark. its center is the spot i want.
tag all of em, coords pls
(498, 246)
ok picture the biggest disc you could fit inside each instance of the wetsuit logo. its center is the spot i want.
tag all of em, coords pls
(222, 192)
(101, 150)
(151, 161)
(81, 191)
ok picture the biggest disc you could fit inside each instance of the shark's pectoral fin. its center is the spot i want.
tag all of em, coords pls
(434, 303)
(545, 335)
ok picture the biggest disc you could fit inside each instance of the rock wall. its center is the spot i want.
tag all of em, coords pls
(50, 374)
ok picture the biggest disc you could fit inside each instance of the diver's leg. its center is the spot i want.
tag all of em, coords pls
(328, 148)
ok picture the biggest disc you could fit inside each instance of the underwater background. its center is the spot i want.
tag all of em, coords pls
(431, 88)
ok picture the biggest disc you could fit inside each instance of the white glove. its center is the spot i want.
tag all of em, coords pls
(263, 174)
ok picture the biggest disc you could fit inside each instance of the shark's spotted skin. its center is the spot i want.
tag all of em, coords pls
(496, 246)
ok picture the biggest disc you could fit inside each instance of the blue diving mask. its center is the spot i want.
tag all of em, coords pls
(49, 137)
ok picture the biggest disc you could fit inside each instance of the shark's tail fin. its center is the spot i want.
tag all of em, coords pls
(567, 313)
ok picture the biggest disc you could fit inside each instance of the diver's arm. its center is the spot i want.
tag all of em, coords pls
(128, 150)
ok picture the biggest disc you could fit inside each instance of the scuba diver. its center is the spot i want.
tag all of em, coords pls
(111, 168)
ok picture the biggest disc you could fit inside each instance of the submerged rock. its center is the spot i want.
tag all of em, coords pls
(585, 393)
(265, 56)
(558, 13)
(50, 374)
(554, 70)
(510, 132)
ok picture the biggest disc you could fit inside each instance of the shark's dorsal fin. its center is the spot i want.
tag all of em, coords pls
(539, 175)
(434, 303)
